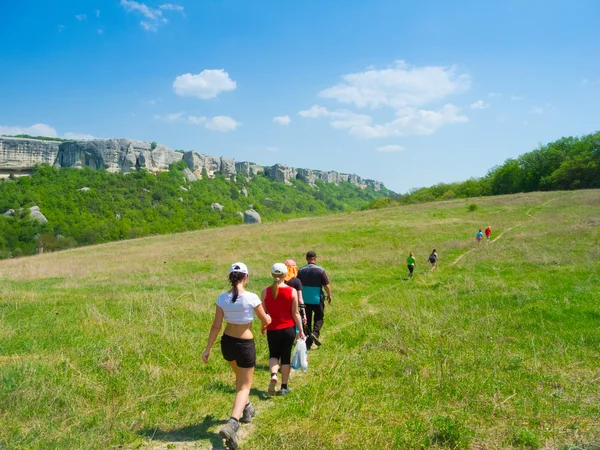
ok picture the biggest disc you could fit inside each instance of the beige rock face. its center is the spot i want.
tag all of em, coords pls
(18, 155)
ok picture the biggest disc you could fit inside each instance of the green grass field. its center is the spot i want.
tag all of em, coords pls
(499, 348)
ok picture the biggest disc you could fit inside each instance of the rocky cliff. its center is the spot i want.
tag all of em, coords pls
(18, 155)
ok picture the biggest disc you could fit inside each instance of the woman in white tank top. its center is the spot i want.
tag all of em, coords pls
(237, 306)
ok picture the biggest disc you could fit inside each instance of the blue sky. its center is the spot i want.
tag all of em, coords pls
(408, 93)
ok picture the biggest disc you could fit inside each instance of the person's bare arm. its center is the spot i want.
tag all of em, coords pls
(213, 333)
(328, 290)
(302, 307)
(296, 314)
(264, 318)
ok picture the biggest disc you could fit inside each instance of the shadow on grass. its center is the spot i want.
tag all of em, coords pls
(227, 388)
(189, 433)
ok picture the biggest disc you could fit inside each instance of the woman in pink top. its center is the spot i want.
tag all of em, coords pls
(281, 303)
(237, 306)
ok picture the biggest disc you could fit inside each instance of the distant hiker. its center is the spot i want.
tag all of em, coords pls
(314, 280)
(281, 303)
(411, 263)
(292, 280)
(488, 232)
(237, 306)
(433, 259)
(479, 236)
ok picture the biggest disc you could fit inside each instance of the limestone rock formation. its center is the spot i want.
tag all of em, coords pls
(244, 192)
(251, 216)
(21, 155)
(34, 213)
(307, 175)
(217, 207)
(84, 189)
(281, 173)
(189, 175)
(228, 167)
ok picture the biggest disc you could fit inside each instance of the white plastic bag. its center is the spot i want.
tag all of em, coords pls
(300, 356)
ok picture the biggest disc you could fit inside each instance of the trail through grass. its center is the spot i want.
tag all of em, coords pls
(100, 347)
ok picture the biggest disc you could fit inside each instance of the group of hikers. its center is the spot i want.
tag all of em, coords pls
(292, 307)
(488, 234)
(433, 257)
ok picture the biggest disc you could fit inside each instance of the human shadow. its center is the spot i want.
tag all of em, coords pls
(227, 388)
(189, 433)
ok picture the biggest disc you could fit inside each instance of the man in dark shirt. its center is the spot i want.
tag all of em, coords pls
(314, 280)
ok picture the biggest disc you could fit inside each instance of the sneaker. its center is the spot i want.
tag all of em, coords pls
(272, 385)
(248, 413)
(284, 391)
(315, 339)
(229, 434)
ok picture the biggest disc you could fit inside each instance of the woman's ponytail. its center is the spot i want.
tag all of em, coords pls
(235, 278)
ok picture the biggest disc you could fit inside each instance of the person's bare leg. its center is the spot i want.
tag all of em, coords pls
(274, 368)
(243, 383)
(285, 373)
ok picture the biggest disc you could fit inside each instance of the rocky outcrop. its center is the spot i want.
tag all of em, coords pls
(189, 175)
(217, 207)
(116, 155)
(21, 155)
(281, 173)
(251, 216)
(34, 213)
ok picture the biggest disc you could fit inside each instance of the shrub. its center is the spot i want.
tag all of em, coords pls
(473, 207)
(523, 438)
(449, 434)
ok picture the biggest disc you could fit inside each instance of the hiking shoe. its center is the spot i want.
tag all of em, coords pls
(229, 434)
(272, 385)
(248, 413)
(284, 391)
(315, 339)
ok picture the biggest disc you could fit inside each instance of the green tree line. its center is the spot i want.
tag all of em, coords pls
(565, 164)
(123, 206)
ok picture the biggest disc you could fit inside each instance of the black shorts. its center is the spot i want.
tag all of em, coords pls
(281, 343)
(242, 351)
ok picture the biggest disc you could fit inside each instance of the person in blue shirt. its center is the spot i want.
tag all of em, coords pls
(479, 237)
(314, 281)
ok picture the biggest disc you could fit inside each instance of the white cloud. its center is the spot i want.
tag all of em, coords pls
(480, 104)
(282, 120)
(61, 28)
(38, 129)
(206, 84)
(222, 123)
(272, 149)
(81, 17)
(495, 94)
(341, 118)
(42, 129)
(399, 86)
(542, 109)
(170, 117)
(78, 136)
(412, 122)
(154, 17)
(97, 12)
(390, 148)
(516, 97)
(196, 120)
(172, 7)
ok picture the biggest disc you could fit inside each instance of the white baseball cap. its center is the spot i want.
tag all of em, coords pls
(279, 269)
(238, 267)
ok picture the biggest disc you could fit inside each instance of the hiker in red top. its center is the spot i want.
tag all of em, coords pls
(282, 303)
(488, 232)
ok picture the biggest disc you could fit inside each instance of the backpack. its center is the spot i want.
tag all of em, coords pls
(432, 258)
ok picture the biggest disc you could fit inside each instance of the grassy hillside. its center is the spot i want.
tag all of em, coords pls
(100, 346)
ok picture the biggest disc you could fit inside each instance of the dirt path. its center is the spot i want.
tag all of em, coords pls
(527, 213)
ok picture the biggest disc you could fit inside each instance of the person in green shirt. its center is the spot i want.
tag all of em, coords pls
(411, 264)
